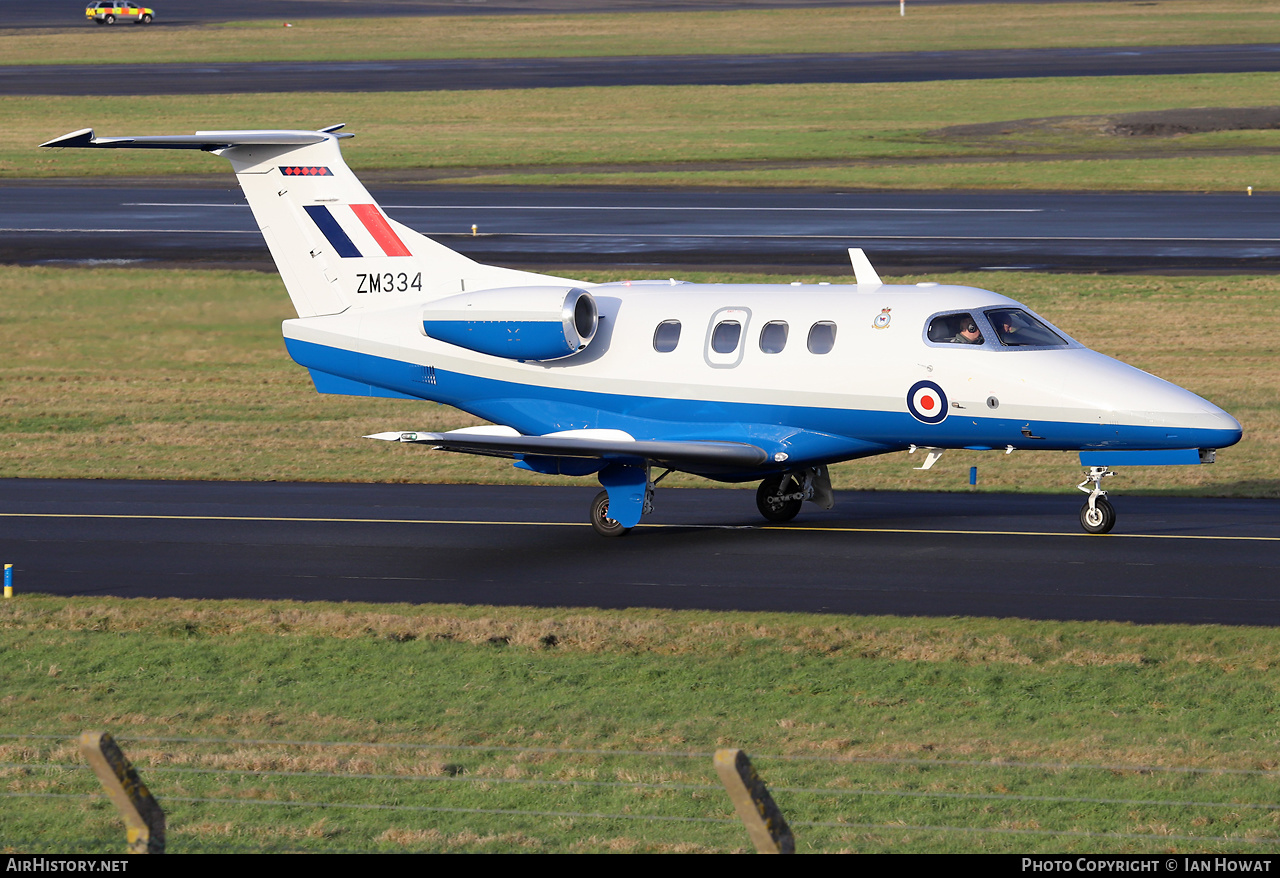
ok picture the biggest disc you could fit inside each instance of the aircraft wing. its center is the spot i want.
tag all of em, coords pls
(591, 444)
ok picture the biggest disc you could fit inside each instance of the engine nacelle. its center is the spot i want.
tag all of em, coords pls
(519, 323)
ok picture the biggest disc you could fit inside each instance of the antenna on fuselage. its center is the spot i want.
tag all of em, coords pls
(863, 273)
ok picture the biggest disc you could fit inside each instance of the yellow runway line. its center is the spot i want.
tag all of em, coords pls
(773, 528)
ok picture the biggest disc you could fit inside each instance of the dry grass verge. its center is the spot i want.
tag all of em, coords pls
(925, 28)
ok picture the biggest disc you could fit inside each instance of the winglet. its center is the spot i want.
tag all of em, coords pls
(395, 436)
(863, 273)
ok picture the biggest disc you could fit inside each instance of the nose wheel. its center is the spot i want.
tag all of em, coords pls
(1097, 515)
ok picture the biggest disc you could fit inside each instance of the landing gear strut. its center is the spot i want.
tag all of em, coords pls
(1097, 515)
(780, 497)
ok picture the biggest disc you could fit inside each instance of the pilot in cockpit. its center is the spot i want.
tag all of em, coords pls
(968, 332)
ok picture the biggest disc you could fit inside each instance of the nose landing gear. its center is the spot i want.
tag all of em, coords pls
(1097, 515)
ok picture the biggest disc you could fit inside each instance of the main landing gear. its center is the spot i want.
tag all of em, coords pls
(1097, 515)
(607, 526)
(780, 496)
(600, 520)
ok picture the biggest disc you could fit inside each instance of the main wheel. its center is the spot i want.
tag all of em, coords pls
(1100, 519)
(600, 520)
(771, 506)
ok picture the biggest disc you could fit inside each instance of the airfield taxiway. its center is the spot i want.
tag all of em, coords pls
(1189, 560)
(185, 13)
(633, 70)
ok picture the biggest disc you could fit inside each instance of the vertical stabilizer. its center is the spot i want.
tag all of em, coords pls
(334, 246)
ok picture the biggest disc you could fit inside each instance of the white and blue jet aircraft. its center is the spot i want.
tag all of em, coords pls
(768, 383)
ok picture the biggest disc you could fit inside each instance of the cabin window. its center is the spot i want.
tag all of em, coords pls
(666, 336)
(773, 338)
(725, 337)
(956, 329)
(822, 337)
(1016, 328)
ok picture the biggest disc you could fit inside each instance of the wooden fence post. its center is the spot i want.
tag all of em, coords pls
(143, 818)
(765, 824)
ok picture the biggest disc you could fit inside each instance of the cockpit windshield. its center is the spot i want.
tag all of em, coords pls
(1016, 328)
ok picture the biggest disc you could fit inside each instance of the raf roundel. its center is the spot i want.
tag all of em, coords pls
(927, 402)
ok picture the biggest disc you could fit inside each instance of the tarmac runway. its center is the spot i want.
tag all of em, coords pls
(1184, 560)
(665, 230)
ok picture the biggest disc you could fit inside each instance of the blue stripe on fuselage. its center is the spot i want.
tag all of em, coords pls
(828, 434)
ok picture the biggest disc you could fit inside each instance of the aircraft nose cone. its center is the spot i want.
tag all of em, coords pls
(1229, 427)
(1191, 420)
(1157, 413)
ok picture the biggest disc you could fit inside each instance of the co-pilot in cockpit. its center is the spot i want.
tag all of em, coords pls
(1016, 328)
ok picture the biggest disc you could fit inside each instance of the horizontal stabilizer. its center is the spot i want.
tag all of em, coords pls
(592, 445)
(209, 141)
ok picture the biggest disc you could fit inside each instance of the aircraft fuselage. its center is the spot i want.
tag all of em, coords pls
(844, 398)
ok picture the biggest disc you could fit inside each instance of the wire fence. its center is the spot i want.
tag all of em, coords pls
(227, 794)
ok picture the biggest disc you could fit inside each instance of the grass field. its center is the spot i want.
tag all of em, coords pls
(824, 135)
(454, 728)
(925, 28)
(182, 374)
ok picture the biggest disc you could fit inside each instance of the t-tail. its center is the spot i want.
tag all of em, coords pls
(332, 243)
